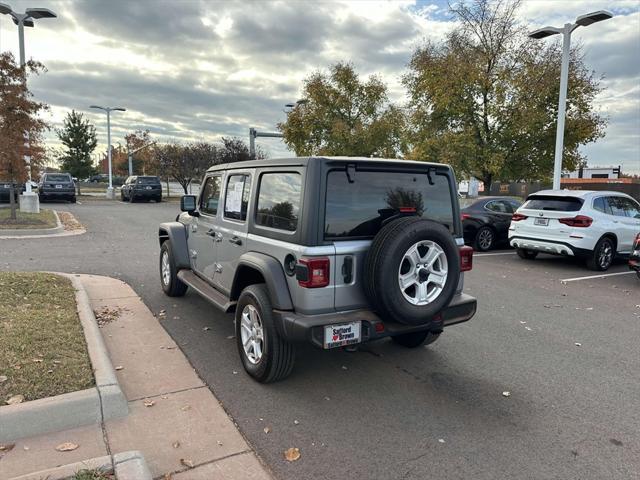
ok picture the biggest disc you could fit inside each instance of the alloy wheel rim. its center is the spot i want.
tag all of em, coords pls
(165, 268)
(605, 255)
(423, 272)
(251, 334)
(485, 239)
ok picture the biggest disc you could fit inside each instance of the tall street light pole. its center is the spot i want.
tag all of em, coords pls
(581, 21)
(108, 110)
(29, 202)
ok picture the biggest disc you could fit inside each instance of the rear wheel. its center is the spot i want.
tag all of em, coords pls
(265, 355)
(602, 256)
(171, 284)
(485, 238)
(415, 339)
(526, 254)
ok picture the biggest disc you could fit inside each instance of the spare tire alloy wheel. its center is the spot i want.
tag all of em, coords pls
(251, 334)
(423, 272)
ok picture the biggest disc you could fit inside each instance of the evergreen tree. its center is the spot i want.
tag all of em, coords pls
(79, 139)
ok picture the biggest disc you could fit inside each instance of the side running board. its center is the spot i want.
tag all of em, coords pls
(207, 291)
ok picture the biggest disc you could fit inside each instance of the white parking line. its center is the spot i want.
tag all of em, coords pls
(594, 276)
(491, 254)
(79, 203)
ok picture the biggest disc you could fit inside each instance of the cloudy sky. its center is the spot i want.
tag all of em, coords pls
(196, 69)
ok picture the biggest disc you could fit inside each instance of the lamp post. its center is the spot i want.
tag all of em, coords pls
(131, 152)
(566, 30)
(30, 201)
(108, 110)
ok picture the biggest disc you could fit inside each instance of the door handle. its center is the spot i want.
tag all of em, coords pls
(235, 240)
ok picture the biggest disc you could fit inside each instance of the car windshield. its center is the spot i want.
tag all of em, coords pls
(60, 177)
(357, 207)
(550, 202)
(148, 180)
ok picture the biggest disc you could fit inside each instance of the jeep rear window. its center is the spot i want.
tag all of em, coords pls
(358, 209)
(549, 202)
(57, 178)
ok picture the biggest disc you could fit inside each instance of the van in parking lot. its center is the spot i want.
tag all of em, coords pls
(593, 225)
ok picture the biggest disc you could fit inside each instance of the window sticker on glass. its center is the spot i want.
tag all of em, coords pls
(234, 198)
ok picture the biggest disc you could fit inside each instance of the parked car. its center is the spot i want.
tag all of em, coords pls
(593, 225)
(57, 186)
(5, 189)
(101, 177)
(141, 187)
(327, 251)
(486, 220)
(634, 258)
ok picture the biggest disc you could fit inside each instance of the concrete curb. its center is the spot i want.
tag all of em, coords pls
(59, 228)
(70, 410)
(126, 466)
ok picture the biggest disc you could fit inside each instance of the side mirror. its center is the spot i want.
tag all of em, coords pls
(188, 204)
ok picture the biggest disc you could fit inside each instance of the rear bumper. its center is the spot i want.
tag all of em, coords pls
(66, 193)
(146, 193)
(310, 328)
(548, 246)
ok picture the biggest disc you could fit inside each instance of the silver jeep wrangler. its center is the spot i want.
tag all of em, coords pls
(332, 251)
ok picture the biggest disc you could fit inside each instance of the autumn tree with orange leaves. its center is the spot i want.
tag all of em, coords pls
(19, 117)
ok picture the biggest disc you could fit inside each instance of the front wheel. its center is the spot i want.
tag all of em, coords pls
(171, 284)
(265, 355)
(415, 339)
(602, 256)
(526, 254)
(485, 238)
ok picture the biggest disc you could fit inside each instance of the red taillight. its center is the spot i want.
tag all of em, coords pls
(407, 209)
(313, 272)
(464, 216)
(578, 221)
(516, 217)
(466, 258)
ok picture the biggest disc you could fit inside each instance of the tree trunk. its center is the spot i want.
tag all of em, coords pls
(12, 201)
(487, 178)
(168, 187)
(78, 185)
(185, 185)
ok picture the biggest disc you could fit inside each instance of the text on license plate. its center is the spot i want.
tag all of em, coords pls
(58, 186)
(148, 188)
(341, 334)
(541, 221)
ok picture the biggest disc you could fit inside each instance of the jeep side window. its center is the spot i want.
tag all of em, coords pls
(236, 199)
(279, 200)
(210, 196)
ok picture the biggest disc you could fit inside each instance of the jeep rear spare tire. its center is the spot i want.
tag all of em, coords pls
(412, 270)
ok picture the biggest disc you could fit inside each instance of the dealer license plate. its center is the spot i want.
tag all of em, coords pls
(541, 221)
(7, 185)
(341, 334)
(58, 186)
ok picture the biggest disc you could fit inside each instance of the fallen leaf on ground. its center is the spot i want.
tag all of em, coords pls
(3, 378)
(230, 337)
(441, 440)
(528, 328)
(66, 447)
(589, 308)
(267, 429)
(292, 454)
(506, 394)
(15, 400)
(7, 447)
(344, 368)
(206, 328)
(149, 403)
(219, 443)
(185, 408)
(522, 322)
(167, 476)
(296, 422)
(176, 444)
(186, 462)
(37, 360)
(235, 373)
(578, 344)
(119, 367)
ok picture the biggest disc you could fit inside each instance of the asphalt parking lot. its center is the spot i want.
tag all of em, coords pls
(564, 347)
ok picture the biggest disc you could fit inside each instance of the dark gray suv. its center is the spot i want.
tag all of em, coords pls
(331, 251)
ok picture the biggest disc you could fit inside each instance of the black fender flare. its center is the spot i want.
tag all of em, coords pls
(273, 274)
(176, 232)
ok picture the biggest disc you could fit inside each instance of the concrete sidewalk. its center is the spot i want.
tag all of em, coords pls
(174, 419)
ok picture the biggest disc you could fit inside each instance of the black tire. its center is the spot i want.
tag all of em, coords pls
(121, 195)
(415, 339)
(73, 199)
(526, 254)
(132, 199)
(602, 256)
(638, 274)
(40, 198)
(172, 286)
(278, 356)
(386, 258)
(485, 239)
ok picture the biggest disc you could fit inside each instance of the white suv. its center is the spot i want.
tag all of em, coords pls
(588, 224)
